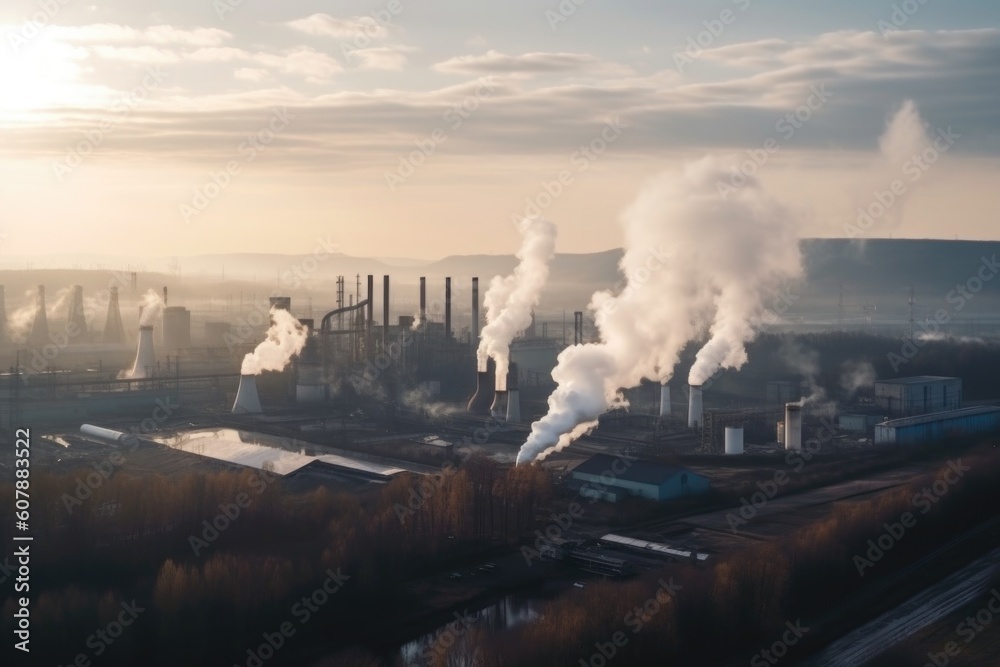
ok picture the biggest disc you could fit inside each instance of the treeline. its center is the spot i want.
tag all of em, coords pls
(741, 605)
(215, 560)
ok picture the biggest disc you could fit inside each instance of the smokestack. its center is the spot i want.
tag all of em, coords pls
(4, 338)
(247, 402)
(475, 313)
(578, 327)
(734, 440)
(447, 308)
(371, 302)
(499, 407)
(76, 321)
(423, 300)
(145, 357)
(793, 427)
(694, 406)
(481, 401)
(39, 336)
(164, 295)
(513, 396)
(114, 332)
(385, 314)
(664, 400)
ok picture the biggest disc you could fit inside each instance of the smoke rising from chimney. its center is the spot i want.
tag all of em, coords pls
(510, 300)
(692, 260)
(152, 306)
(285, 339)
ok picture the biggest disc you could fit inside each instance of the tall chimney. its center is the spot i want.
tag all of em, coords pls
(114, 332)
(371, 301)
(481, 401)
(664, 400)
(385, 314)
(39, 336)
(247, 402)
(578, 327)
(793, 427)
(145, 357)
(76, 320)
(513, 396)
(475, 313)
(4, 338)
(447, 308)
(164, 295)
(423, 301)
(694, 406)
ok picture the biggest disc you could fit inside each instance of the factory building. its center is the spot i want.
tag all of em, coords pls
(937, 425)
(918, 395)
(613, 478)
(859, 423)
(176, 328)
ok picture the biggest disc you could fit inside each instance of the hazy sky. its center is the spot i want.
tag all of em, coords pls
(202, 126)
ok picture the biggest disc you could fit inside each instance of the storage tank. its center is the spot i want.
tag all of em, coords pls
(734, 440)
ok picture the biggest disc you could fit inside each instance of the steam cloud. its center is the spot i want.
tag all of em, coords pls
(285, 339)
(692, 261)
(152, 306)
(510, 300)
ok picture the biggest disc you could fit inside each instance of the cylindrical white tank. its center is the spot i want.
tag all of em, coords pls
(145, 357)
(664, 400)
(780, 429)
(734, 440)
(793, 427)
(694, 406)
(247, 402)
(513, 406)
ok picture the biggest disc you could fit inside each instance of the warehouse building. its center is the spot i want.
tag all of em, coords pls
(918, 395)
(937, 425)
(613, 478)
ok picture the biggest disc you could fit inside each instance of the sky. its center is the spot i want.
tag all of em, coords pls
(424, 129)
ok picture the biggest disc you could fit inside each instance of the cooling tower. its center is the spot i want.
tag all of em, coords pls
(499, 407)
(247, 402)
(793, 427)
(734, 440)
(474, 341)
(694, 406)
(39, 336)
(76, 319)
(481, 401)
(664, 400)
(4, 338)
(114, 332)
(145, 357)
(513, 397)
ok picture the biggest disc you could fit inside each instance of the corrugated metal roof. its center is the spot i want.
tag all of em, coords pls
(916, 379)
(640, 472)
(651, 546)
(940, 416)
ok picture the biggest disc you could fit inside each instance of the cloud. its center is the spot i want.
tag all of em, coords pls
(252, 74)
(145, 55)
(324, 25)
(112, 33)
(494, 62)
(382, 58)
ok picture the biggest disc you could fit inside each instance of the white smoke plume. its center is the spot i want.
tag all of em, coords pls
(152, 306)
(285, 339)
(19, 321)
(805, 361)
(856, 375)
(691, 258)
(510, 300)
